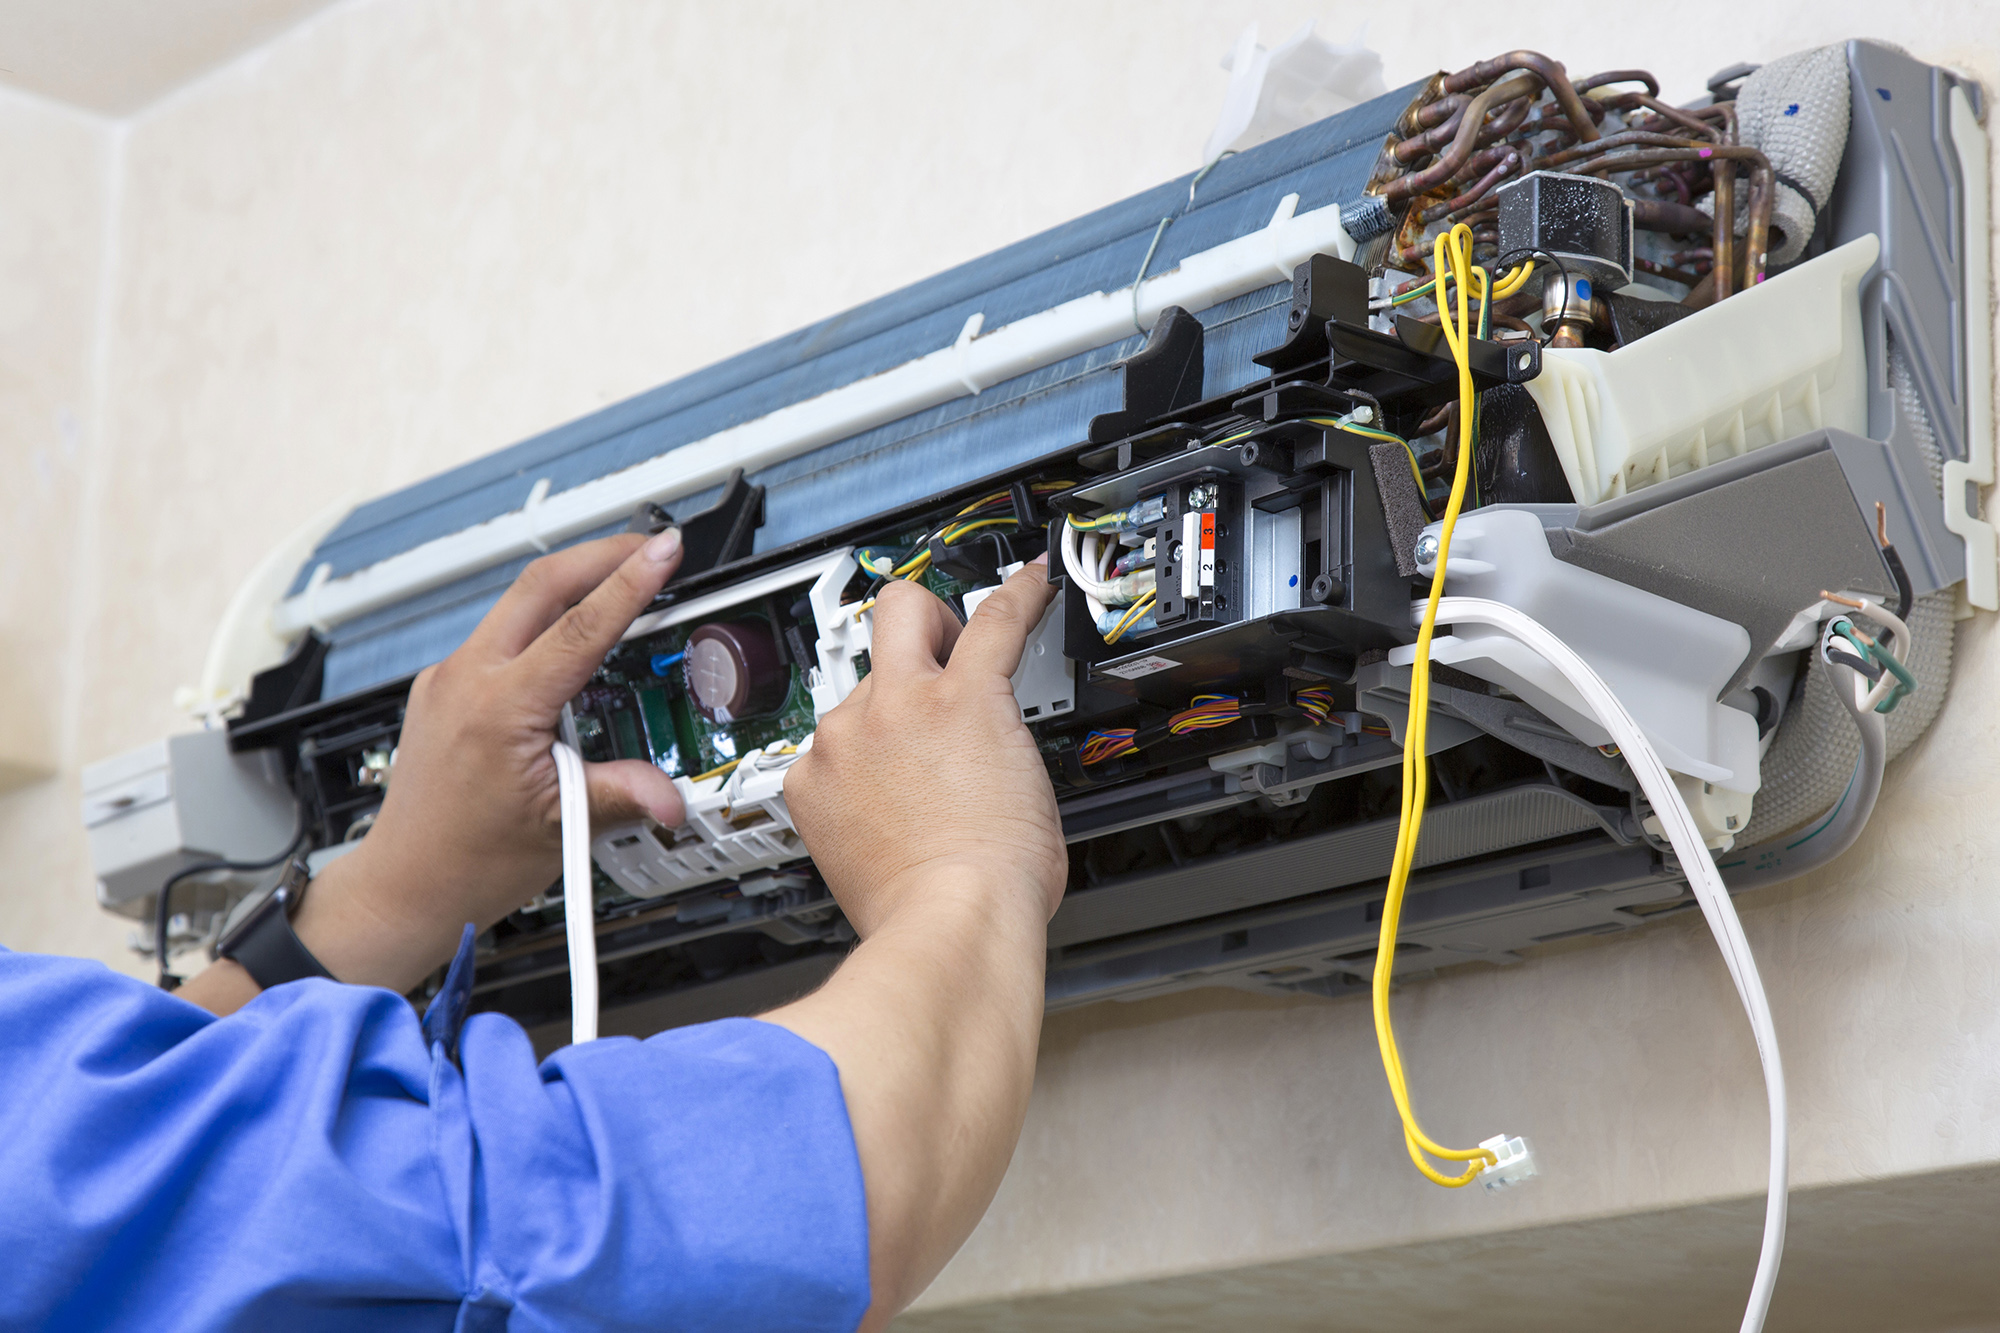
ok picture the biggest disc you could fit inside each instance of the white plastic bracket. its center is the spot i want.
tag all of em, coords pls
(1668, 661)
(1962, 478)
(1275, 229)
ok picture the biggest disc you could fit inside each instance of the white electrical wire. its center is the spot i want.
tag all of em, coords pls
(757, 761)
(1088, 558)
(1082, 570)
(1702, 877)
(579, 919)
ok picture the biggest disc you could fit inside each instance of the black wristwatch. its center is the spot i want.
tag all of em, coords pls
(263, 942)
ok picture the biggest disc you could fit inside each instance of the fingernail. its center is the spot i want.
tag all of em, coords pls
(1042, 559)
(664, 547)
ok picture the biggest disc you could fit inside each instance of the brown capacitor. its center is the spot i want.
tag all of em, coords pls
(734, 670)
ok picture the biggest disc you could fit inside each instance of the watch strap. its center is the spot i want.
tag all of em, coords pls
(264, 944)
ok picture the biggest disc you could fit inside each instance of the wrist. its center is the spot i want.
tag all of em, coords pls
(354, 921)
(1003, 899)
(222, 988)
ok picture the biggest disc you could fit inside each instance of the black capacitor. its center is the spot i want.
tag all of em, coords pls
(733, 670)
(1585, 222)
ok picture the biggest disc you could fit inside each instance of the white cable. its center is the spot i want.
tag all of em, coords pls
(1084, 579)
(1702, 877)
(578, 899)
(757, 761)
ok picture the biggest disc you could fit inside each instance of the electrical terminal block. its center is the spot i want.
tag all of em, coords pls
(1515, 1162)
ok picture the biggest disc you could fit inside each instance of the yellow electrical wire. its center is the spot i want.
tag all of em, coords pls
(1369, 432)
(782, 747)
(1516, 278)
(1452, 263)
(916, 565)
(1133, 615)
(952, 534)
(716, 772)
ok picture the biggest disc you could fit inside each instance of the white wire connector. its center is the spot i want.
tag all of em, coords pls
(1513, 1162)
(579, 920)
(756, 761)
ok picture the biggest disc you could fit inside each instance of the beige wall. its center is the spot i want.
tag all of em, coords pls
(413, 231)
(57, 165)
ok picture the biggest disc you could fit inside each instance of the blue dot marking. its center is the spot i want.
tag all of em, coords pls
(1883, 93)
(1792, 110)
(1295, 580)
(1583, 289)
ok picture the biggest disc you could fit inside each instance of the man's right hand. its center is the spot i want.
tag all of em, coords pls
(926, 770)
(925, 804)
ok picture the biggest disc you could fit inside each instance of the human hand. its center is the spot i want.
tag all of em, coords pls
(471, 827)
(925, 775)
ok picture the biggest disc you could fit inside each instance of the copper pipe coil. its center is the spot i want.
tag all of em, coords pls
(1453, 158)
(1724, 159)
(1500, 171)
(1620, 76)
(1667, 216)
(1552, 74)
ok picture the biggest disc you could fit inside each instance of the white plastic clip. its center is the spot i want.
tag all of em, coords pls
(1515, 1162)
(1281, 223)
(311, 596)
(963, 346)
(530, 516)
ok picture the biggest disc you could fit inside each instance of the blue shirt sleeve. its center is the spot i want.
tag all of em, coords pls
(311, 1163)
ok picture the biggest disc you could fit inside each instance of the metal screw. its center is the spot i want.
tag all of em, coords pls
(1427, 548)
(1201, 497)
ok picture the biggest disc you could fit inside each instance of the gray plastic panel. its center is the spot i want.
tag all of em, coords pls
(1474, 827)
(1327, 946)
(1900, 179)
(1753, 539)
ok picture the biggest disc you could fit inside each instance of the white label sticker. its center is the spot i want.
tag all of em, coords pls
(1190, 553)
(1141, 666)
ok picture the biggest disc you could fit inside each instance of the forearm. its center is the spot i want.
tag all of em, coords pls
(933, 1022)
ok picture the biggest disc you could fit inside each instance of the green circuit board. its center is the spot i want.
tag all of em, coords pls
(631, 711)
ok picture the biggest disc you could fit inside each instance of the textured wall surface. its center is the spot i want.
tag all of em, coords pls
(56, 165)
(412, 231)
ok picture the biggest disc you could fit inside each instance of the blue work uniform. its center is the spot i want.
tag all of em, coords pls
(324, 1160)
